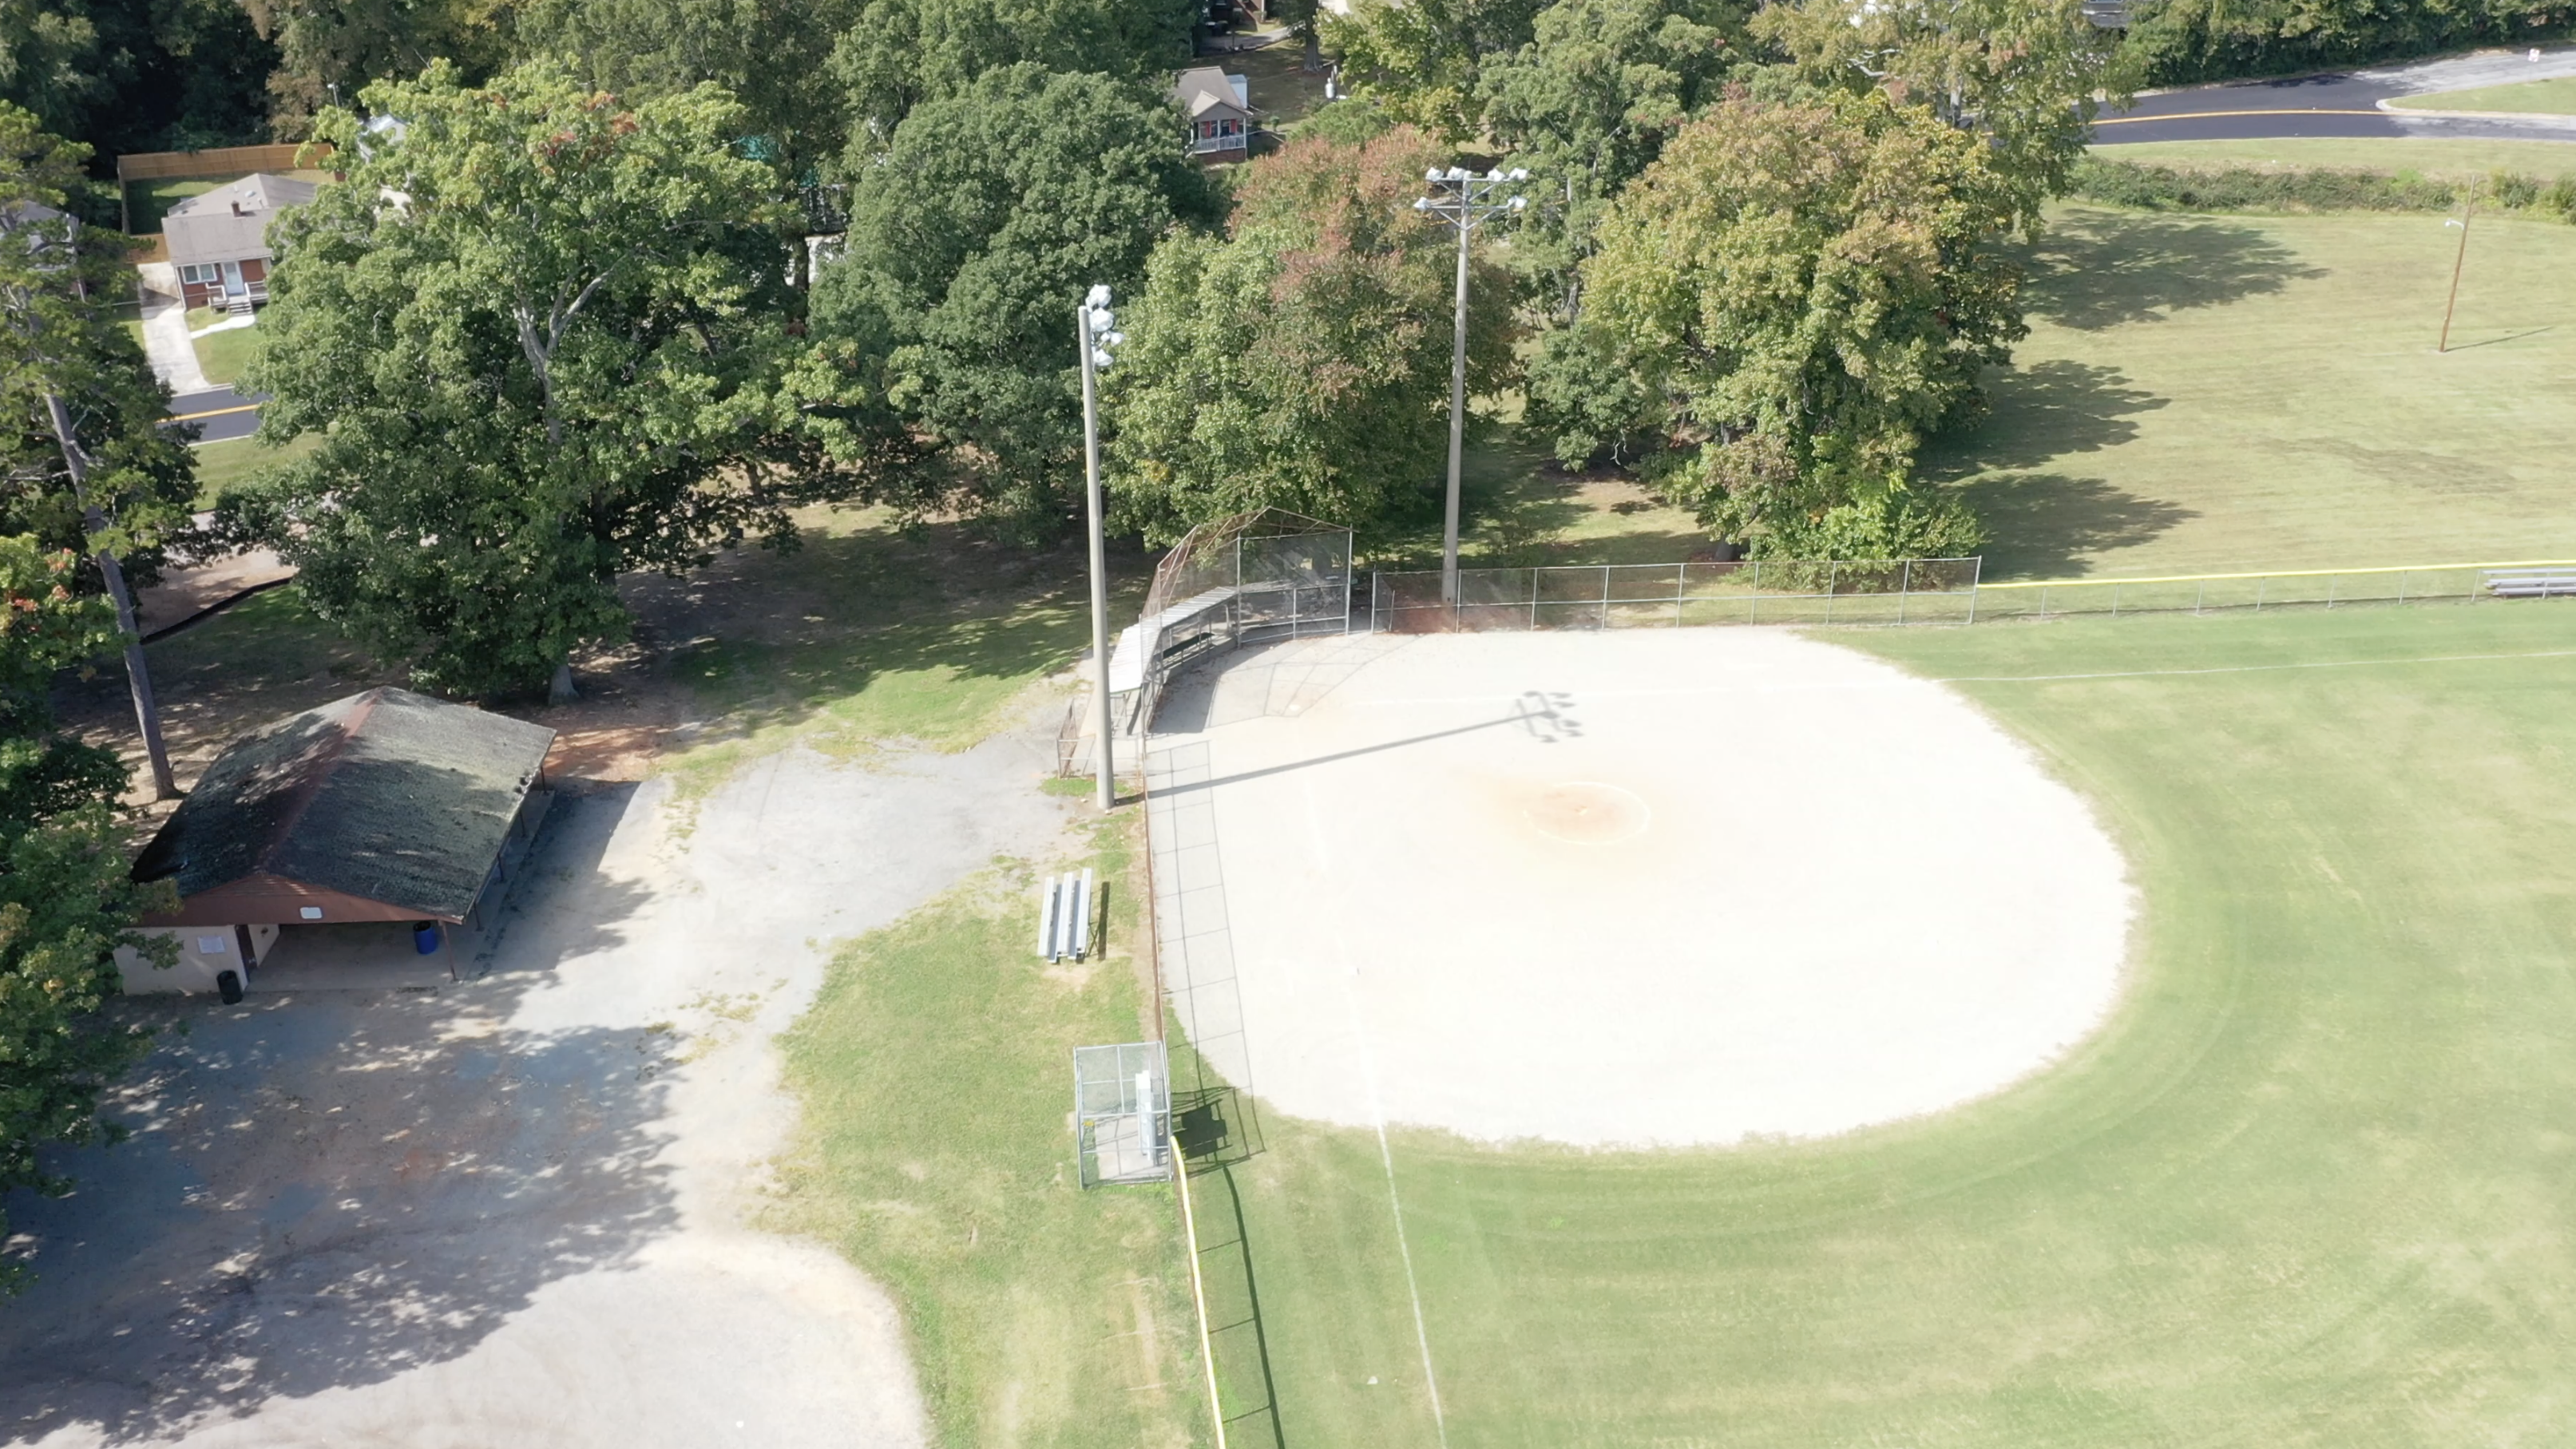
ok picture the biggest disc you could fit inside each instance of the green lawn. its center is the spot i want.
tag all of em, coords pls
(866, 635)
(935, 1075)
(2439, 157)
(2544, 96)
(2312, 1185)
(220, 465)
(222, 355)
(2217, 393)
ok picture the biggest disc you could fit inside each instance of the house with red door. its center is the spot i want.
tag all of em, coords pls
(218, 240)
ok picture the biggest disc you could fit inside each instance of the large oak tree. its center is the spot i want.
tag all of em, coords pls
(1816, 285)
(540, 334)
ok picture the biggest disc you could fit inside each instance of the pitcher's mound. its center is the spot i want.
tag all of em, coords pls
(1629, 888)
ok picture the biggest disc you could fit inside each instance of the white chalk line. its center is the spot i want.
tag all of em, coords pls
(1385, 1152)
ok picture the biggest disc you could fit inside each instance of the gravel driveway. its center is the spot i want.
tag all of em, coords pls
(514, 1211)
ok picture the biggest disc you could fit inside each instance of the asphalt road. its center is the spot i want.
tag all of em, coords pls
(2346, 104)
(219, 415)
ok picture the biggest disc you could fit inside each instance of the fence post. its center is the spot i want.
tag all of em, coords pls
(2199, 592)
(1605, 597)
(2259, 586)
(1833, 571)
(2115, 599)
(1681, 582)
(1377, 594)
(2043, 601)
(1904, 587)
(2331, 581)
(2401, 585)
(1533, 599)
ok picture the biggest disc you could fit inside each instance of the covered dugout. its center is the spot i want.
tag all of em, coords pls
(1244, 579)
(386, 806)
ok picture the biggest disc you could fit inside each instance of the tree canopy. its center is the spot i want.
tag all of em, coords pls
(2023, 73)
(901, 54)
(57, 282)
(1815, 285)
(949, 318)
(1423, 60)
(65, 900)
(540, 337)
(1304, 360)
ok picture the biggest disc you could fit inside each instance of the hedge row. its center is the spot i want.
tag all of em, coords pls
(2245, 188)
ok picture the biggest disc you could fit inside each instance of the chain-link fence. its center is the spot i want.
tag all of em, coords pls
(2288, 589)
(1627, 596)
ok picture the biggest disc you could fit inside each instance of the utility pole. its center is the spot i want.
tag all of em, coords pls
(2458, 260)
(138, 673)
(1093, 323)
(1463, 199)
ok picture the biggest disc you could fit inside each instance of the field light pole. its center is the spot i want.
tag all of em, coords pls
(1094, 336)
(1462, 198)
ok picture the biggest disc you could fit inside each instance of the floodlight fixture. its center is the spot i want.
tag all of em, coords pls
(1433, 176)
(1519, 173)
(1099, 296)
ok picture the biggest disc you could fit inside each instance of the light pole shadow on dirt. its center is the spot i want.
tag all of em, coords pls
(326, 1189)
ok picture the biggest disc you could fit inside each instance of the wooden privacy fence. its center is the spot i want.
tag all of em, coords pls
(223, 161)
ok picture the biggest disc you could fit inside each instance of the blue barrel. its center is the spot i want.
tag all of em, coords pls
(424, 938)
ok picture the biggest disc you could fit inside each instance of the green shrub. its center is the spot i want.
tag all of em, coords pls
(2241, 188)
(1919, 522)
(2560, 197)
(2511, 188)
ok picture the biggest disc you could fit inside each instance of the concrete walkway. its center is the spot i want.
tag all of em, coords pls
(165, 330)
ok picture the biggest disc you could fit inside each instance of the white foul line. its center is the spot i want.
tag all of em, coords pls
(1385, 1153)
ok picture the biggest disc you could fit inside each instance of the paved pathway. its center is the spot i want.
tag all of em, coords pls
(165, 330)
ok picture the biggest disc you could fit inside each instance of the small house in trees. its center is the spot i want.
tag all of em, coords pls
(382, 807)
(219, 239)
(1219, 107)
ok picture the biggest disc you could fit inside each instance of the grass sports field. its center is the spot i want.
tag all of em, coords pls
(2206, 393)
(2311, 1185)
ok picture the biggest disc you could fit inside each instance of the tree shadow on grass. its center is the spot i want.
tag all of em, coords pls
(2096, 269)
(2039, 414)
(2041, 525)
(900, 633)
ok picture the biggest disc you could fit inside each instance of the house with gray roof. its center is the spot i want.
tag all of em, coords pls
(218, 239)
(386, 806)
(1219, 108)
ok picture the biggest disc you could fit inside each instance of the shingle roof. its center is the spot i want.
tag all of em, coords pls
(1207, 88)
(388, 796)
(230, 222)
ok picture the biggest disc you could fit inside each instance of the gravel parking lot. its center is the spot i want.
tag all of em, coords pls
(514, 1211)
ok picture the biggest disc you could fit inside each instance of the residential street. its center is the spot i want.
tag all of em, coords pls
(220, 413)
(2346, 103)
(522, 1210)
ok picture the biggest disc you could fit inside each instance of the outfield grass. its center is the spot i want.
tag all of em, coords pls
(2310, 1186)
(2431, 156)
(935, 1072)
(2217, 393)
(2548, 97)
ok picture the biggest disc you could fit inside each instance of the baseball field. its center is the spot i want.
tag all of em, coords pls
(2310, 1181)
